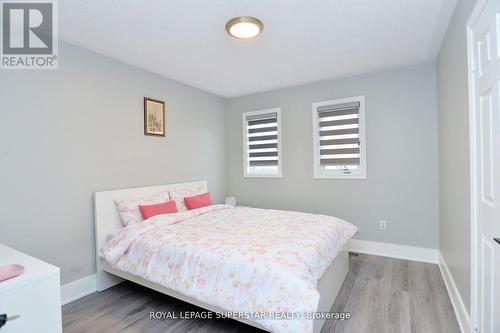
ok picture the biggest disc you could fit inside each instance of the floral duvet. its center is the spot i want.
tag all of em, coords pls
(239, 259)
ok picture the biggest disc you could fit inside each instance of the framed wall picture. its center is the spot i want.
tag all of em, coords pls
(154, 117)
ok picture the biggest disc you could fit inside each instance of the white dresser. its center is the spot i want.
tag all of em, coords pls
(35, 295)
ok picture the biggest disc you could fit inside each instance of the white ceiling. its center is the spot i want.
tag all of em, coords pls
(303, 40)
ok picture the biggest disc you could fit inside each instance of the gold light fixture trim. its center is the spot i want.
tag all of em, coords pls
(244, 27)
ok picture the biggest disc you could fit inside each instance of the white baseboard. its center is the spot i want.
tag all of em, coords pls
(394, 251)
(456, 300)
(77, 289)
(423, 255)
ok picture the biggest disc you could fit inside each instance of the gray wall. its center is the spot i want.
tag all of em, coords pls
(453, 120)
(67, 133)
(402, 184)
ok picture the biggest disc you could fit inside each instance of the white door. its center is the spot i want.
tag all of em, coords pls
(484, 50)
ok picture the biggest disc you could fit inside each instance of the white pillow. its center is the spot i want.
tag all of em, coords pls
(179, 194)
(129, 208)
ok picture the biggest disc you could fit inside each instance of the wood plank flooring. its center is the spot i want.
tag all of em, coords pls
(382, 295)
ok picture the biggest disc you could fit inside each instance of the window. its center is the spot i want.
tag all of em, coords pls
(339, 138)
(262, 143)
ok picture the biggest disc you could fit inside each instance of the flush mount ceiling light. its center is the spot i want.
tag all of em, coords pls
(244, 27)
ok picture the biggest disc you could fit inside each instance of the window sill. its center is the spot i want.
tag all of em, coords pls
(261, 176)
(345, 177)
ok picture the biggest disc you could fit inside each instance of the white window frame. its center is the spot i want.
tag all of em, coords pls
(319, 172)
(245, 145)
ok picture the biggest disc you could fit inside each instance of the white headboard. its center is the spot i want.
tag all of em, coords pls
(107, 218)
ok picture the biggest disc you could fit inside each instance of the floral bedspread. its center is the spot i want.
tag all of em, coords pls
(239, 259)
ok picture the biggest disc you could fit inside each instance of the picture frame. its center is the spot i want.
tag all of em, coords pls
(154, 117)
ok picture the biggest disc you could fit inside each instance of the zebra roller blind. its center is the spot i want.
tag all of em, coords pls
(339, 147)
(339, 134)
(262, 141)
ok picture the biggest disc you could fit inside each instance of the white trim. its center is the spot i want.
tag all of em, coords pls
(420, 254)
(245, 144)
(476, 12)
(362, 139)
(391, 250)
(471, 68)
(77, 289)
(461, 313)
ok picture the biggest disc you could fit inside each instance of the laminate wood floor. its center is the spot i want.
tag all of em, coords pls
(382, 294)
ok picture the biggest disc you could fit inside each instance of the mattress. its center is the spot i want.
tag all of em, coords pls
(262, 263)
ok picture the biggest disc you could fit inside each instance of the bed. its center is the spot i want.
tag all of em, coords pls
(120, 254)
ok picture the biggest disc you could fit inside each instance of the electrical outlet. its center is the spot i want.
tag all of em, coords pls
(382, 225)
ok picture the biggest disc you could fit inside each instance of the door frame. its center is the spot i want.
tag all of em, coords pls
(471, 68)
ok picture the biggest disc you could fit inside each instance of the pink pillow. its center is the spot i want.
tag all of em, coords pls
(148, 211)
(129, 208)
(178, 194)
(198, 201)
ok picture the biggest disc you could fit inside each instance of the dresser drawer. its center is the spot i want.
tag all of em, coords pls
(38, 304)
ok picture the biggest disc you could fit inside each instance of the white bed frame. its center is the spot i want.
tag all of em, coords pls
(108, 220)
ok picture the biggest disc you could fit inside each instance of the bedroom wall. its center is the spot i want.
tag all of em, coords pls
(67, 133)
(402, 184)
(453, 120)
